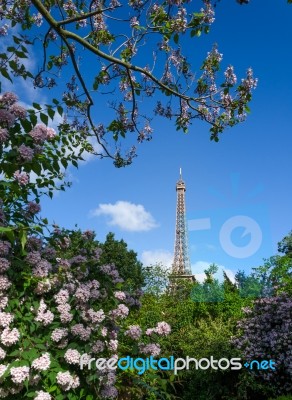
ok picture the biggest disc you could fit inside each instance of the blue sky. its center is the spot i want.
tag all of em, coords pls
(247, 174)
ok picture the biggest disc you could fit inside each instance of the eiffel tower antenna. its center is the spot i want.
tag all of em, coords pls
(181, 267)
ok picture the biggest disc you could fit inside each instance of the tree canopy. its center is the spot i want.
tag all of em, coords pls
(130, 53)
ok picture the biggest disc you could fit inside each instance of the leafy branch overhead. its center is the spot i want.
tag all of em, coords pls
(130, 53)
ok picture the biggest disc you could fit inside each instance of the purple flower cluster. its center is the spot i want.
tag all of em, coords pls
(151, 348)
(162, 329)
(266, 334)
(26, 153)
(33, 208)
(3, 135)
(40, 133)
(9, 111)
(134, 332)
(4, 30)
(21, 177)
(71, 312)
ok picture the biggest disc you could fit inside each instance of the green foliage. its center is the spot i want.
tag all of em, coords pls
(285, 246)
(156, 279)
(169, 76)
(283, 397)
(116, 252)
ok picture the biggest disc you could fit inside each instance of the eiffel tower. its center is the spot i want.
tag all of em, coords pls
(181, 267)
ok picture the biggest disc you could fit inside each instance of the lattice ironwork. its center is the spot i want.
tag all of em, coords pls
(181, 263)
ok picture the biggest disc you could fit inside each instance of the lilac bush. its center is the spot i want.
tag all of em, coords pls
(266, 334)
(55, 308)
(33, 159)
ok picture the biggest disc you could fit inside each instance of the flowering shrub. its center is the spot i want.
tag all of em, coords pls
(266, 334)
(53, 309)
(33, 159)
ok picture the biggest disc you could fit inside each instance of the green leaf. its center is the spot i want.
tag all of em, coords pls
(60, 110)
(23, 238)
(9, 232)
(44, 118)
(64, 162)
(5, 74)
(176, 38)
(37, 106)
(51, 113)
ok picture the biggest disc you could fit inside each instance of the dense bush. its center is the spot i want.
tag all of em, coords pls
(54, 308)
(266, 334)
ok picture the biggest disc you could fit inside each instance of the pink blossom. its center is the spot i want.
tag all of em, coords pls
(103, 331)
(3, 135)
(33, 258)
(109, 392)
(72, 356)
(2, 354)
(58, 334)
(83, 293)
(6, 117)
(149, 331)
(81, 331)
(21, 177)
(42, 269)
(98, 346)
(18, 111)
(41, 395)
(39, 133)
(4, 283)
(4, 248)
(4, 32)
(5, 319)
(62, 297)
(120, 295)
(3, 369)
(96, 316)
(121, 312)
(113, 345)
(42, 363)
(51, 133)
(37, 19)
(43, 316)
(8, 98)
(67, 381)
(163, 328)
(134, 332)
(3, 302)
(152, 349)
(33, 208)
(4, 265)
(43, 287)
(19, 374)
(10, 336)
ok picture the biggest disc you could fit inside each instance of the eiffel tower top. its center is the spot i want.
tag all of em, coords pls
(180, 183)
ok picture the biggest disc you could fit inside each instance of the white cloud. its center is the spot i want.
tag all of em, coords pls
(152, 257)
(230, 274)
(127, 216)
(200, 277)
(199, 267)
